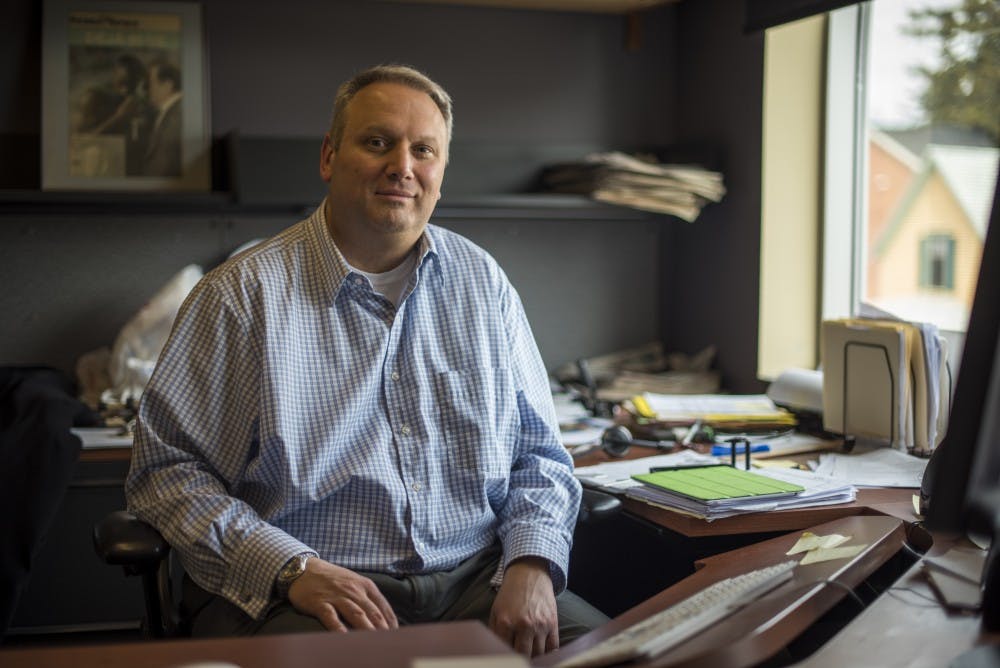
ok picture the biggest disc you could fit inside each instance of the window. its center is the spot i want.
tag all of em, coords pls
(900, 155)
(922, 91)
(937, 261)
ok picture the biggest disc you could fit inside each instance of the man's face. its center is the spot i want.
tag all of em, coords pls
(119, 79)
(159, 91)
(385, 178)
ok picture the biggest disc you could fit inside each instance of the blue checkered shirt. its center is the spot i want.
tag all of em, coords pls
(296, 410)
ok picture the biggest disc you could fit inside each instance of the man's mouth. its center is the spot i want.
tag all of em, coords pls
(395, 193)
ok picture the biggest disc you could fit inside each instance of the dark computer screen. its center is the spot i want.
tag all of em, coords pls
(961, 487)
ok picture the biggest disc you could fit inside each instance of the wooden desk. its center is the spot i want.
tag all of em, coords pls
(905, 627)
(105, 454)
(765, 627)
(894, 502)
(358, 649)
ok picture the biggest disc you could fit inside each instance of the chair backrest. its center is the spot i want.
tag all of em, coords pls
(122, 539)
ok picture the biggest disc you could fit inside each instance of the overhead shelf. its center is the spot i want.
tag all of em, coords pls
(278, 175)
(499, 207)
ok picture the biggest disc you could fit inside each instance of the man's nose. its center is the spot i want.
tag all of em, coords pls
(400, 164)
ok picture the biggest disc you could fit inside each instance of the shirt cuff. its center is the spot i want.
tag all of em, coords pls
(525, 541)
(249, 581)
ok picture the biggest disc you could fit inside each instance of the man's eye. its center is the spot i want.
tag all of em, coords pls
(424, 151)
(376, 142)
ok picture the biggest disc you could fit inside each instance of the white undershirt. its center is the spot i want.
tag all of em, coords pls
(390, 284)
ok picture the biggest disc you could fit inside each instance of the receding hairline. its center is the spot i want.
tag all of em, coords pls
(403, 75)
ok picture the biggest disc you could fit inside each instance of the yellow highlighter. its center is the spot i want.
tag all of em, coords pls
(642, 407)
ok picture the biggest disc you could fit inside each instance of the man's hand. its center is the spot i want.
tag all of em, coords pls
(340, 598)
(524, 612)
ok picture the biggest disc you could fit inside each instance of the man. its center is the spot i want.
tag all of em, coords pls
(351, 426)
(163, 154)
(132, 116)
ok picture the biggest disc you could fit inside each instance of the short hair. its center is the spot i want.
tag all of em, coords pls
(135, 71)
(392, 73)
(166, 71)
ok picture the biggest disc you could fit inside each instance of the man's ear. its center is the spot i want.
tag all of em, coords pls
(326, 155)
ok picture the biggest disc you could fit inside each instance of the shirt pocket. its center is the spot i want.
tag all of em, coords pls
(478, 410)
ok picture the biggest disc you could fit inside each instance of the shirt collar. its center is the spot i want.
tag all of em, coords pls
(334, 269)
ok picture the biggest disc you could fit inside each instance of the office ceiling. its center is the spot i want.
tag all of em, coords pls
(596, 6)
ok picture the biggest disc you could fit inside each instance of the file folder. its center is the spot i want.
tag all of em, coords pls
(865, 379)
(882, 380)
(718, 484)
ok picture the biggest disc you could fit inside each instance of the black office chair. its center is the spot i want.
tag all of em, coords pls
(122, 539)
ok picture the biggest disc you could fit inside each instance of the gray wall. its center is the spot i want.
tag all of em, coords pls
(518, 77)
(712, 279)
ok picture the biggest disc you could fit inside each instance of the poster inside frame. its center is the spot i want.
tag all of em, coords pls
(124, 97)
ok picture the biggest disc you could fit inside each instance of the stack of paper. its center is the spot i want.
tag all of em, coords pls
(617, 178)
(102, 437)
(616, 478)
(629, 383)
(718, 410)
(817, 491)
(883, 379)
(883, 467)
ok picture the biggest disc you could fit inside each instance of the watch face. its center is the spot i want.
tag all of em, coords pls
(293, 569)
(289, 573)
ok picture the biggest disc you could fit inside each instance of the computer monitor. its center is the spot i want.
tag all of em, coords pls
(960, 492)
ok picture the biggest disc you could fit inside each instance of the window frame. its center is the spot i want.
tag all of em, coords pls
(845, 165)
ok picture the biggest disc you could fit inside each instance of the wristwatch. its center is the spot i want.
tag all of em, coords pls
(290, 572)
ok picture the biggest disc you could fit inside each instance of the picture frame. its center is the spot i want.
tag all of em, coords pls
(125, 103)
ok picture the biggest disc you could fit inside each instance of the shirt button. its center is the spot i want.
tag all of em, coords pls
(405, 431)
(358, 280)
(416, 487)
(394, 375)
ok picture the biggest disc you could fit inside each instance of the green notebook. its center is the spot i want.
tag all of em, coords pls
(717, 484)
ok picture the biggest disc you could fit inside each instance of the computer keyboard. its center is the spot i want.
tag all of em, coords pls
(668, 628)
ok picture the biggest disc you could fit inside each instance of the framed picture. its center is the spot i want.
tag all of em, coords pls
(124, 97)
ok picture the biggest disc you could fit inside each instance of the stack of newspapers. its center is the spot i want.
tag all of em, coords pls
(639, 183)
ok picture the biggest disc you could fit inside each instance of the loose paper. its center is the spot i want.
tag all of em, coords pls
(830, 554)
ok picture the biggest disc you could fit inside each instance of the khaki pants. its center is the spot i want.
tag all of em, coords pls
(460, 594)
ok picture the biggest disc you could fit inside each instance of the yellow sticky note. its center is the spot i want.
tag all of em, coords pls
(810, 541)
(829, 554)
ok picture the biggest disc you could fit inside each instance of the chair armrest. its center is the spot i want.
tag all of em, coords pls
(596, 506)
(122, 539)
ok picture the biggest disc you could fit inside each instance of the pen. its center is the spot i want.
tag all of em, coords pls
(719, 449)
(691, 432)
